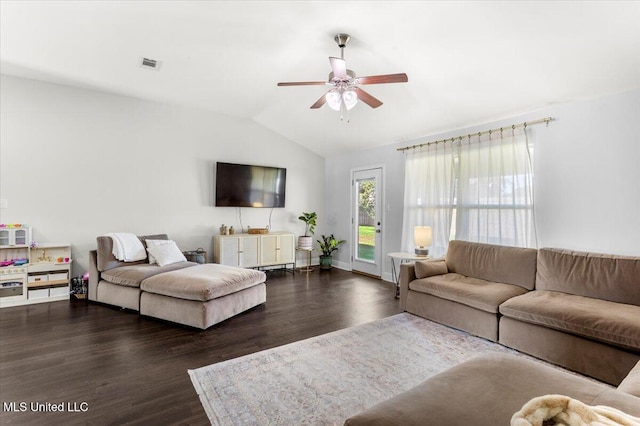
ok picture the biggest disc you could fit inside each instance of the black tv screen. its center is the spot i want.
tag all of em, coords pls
(243, 185)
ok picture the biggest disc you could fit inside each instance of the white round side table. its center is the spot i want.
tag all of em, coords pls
(401, 257)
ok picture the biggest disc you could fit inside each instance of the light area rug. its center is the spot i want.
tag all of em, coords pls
(326, 379)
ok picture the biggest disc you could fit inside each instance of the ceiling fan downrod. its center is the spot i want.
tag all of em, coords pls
(342, 40)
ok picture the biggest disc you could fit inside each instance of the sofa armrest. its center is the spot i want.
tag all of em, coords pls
(407, 274)
(631, 383)
(94, 275)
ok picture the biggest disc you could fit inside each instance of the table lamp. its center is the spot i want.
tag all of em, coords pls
(422, 239)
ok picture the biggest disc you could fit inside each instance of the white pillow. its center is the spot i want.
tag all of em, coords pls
(167, 254)
(152, 243)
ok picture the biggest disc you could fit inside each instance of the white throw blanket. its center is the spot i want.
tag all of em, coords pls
(565, 411)
(127, 247)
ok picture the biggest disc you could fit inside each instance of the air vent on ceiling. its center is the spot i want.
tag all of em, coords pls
(150, 64)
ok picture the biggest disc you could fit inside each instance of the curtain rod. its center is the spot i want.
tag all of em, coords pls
(499, 129)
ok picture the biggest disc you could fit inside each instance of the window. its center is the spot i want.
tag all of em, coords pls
(486, 191)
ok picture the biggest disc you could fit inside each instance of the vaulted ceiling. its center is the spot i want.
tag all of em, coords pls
(468, 62)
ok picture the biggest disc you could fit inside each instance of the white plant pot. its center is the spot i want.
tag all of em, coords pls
(305, 243)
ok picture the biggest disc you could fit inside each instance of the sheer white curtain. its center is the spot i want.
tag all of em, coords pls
(494, 197)
(428, 195)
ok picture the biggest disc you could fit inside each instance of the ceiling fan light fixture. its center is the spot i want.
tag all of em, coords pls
(346, 91)
(350, 98)
(334, 99)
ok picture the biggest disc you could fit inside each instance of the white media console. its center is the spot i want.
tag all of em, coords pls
(255, 250)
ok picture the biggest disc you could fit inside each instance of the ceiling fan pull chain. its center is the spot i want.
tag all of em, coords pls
(344, 110)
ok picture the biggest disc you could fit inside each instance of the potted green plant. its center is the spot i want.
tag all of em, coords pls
(327, 246)
(306, 241)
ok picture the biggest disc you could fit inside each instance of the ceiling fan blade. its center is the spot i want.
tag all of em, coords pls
(320, 102)
(367, 98)
(339, 67)
(380, 79)
(303, 83)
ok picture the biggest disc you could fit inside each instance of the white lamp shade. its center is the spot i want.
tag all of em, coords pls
(350, 98)
(333, 100)
(422, 236)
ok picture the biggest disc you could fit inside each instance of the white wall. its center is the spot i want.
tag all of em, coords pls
(587, 178)
(78, 163)
(338, 200)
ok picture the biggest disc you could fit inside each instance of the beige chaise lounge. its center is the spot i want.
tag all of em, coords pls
(183, 292)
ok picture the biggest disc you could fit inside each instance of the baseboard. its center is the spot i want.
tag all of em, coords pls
(341, 265)
(387, 276)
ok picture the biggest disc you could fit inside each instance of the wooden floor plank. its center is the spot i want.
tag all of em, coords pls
(130, 369)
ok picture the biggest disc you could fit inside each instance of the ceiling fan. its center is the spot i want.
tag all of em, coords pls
(346, 92)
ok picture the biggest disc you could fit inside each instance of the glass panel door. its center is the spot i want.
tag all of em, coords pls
(367, 229)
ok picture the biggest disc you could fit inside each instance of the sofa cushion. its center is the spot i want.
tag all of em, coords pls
(133, 275)
(609, 322)
(601, 276)
(203, 282)
(501, 264)
(487, 391)
(627, 403)
(429, 268)
(480, 294)
(106, 260)
(631, 383)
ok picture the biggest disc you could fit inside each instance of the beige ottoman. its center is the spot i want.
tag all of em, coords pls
(202, 295)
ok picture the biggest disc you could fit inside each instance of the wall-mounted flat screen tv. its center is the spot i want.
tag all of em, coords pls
(244, 185)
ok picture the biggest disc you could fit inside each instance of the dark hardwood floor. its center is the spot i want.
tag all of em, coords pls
(129, 369)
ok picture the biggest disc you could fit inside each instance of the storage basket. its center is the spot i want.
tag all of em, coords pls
(198, 256)
(258, 230)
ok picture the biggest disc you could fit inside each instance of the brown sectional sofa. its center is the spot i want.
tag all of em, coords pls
(488, 390)
(578, 310)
